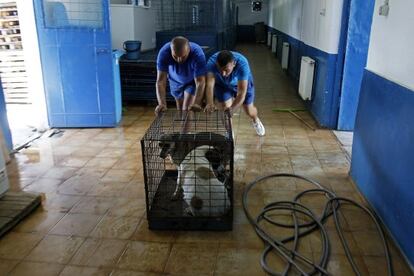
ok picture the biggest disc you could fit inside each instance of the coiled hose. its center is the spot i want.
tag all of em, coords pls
(294, 260)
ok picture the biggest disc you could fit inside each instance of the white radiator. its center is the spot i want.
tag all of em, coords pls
(285, 55)
(274, 43)
(307, 68)
(269, 39)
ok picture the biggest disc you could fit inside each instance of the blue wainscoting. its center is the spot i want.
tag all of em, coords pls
(383, 154)
(325, 95)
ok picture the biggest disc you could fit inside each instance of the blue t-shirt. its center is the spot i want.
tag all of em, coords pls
(240, 72)
(182, 74)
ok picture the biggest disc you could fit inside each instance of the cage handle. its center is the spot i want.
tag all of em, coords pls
(228, 120)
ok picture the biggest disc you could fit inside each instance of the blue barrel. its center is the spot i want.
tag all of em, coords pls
(132, 48)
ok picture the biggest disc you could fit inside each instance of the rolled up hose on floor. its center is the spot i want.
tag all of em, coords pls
(295, 260)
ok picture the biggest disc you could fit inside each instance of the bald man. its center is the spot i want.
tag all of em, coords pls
(184, 63)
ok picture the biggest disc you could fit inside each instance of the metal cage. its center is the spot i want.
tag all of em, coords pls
(188, 171)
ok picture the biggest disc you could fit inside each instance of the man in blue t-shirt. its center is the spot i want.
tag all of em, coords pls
(184, 64)
(230, 80)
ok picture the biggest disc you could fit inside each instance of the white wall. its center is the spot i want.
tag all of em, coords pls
(391, 47)
(33, 64)
(247, 16)
(133, 23)
(122, 25)
(145, 20)
(315, 22)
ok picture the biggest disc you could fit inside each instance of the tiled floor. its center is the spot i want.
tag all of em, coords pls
(345, 138)
(92, 221)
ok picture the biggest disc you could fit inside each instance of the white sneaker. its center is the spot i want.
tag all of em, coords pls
(258, 126)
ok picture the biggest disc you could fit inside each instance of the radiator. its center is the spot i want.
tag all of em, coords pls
(285, 55)
(269, 39)
(307, 68)
(274, 43)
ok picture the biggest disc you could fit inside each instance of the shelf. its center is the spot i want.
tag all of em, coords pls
(10, 27)
(9, 18)
(8, 9)
(10, 42)
(10, 5)
(10, 35)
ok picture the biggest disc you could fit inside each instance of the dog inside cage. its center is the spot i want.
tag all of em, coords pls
(189, 175)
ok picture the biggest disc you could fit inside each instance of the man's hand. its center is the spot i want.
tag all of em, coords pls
(160, 108)
(195, 108)
(210, 108)
(229, 111)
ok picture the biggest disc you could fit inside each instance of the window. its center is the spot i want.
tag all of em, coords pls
(144, 3)
(73, 13)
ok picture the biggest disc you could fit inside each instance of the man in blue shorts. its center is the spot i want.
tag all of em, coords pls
(184, 63)
(230, 80)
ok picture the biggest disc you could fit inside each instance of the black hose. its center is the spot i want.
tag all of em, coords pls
(295, 260)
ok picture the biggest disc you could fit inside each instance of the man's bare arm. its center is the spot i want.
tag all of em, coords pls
(211, 80)
(161, 88)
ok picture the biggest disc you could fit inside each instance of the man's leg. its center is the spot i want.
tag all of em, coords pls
(225, 104)
(187, 116)
(179, 103)
(188, 100)
(251, 111)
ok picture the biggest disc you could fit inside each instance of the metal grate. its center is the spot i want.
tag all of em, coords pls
(73, 13)
(188, 171)
(195, 15)
(186, 15)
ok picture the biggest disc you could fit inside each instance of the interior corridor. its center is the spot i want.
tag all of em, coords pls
(92, 219)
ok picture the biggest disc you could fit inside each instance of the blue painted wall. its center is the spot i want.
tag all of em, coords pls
(325, 95)
(383, 170)
(357, 42)
(4, 123)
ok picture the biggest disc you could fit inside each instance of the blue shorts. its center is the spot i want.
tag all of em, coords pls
(178, 92)
(223, 94)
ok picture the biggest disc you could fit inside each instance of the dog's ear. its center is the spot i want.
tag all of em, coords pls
(213, 156)
(164, 149)
(165, 143)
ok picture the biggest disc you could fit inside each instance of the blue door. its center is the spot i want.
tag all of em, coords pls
(75, 49)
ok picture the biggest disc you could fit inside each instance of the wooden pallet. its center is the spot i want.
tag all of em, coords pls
(14, 206)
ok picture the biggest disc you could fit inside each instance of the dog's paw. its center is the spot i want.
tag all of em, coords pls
(196, 203)
(178, 194)
(189, 211)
